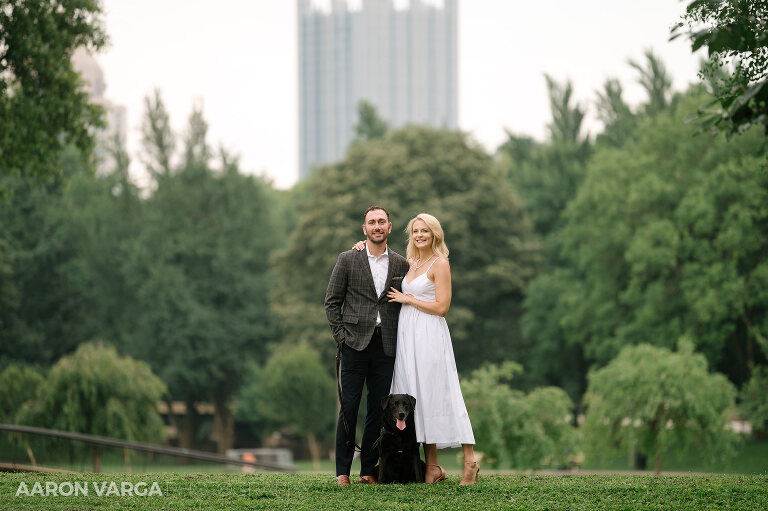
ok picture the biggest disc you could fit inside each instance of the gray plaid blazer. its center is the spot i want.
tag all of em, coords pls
(351, 302)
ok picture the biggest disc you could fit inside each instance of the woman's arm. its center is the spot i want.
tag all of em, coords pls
(440, 274)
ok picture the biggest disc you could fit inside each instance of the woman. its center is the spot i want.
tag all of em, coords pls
(424, 363)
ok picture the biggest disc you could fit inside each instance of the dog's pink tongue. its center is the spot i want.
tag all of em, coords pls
(400, 424)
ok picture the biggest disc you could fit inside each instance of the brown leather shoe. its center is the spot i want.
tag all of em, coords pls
(367, 480)
(342, 480)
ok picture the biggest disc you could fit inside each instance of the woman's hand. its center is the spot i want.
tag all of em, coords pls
(360, 245)
(396, 296)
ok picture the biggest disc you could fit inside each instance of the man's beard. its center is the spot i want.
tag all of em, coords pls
(383, 239)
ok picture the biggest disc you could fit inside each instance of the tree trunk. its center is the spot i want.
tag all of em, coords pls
(188, 432)
(659, 423)
(97, 452)
(31, 456)
(314, 450)
(223, 424)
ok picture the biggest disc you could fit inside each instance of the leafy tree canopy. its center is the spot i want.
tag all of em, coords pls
(616, 116)
(735, 33)
(18, 385)
(295, 391)
(201, 269)
(666, 237)
(42, 314)
(524, 430)
(96, 391)
(754, 400)
(157, 139)
(656, 81)
(199, 275)
(547, 175)
(659, 402)
(369, 125)
(42, 105)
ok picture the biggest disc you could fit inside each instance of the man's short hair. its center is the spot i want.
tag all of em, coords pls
(373, 208)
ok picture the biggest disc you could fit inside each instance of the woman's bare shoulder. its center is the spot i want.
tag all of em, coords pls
(440, 267)
(442, 262)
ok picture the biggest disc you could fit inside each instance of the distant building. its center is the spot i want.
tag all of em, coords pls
(401, 58)
(115, 115)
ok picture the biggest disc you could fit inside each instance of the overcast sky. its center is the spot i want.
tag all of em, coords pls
(238, 59)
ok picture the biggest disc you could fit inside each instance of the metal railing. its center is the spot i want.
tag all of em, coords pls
(139, 446)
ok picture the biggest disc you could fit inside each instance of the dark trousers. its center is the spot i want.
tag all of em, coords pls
(372, 367)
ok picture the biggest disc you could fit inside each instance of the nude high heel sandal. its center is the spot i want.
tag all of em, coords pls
(441, 477)
(471, 472)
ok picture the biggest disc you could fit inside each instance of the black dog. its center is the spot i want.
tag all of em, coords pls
(399, 460)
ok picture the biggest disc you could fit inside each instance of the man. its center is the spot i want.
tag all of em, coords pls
(364, 324)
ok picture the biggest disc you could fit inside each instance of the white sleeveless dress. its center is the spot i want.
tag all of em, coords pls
(426, 369)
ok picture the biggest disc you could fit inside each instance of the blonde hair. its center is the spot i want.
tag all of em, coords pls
(438, 244)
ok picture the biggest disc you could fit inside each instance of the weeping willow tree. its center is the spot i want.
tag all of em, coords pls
(98, 392)
(659, 402)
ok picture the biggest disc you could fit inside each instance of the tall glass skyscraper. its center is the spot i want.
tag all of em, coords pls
(402, 59)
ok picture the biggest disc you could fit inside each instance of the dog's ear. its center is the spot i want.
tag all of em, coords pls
(385, 402)
(413, 401)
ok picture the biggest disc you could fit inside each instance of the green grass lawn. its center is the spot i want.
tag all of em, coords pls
(319, 491)
(751, 458)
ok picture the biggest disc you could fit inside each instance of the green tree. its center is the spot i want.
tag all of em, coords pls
(659, 402)
(754, 403)
(618, 120)
(157, 139)
(98, 392)
(555, 357)
(486, 395)
(369, 125)
(664, 238)
(246, 407)
(409, 171)
(18, 385)
(567, 118)
(547, 175)
(519, 148)
(9, 301)
(101, 217)
(524, 430)
(667, 237)
(42, 105)
(66, 249)
(656, 81)
(557, 323)
(202, 279)
(735, 33)
(295, 391)
(42, 299)
(197, 152)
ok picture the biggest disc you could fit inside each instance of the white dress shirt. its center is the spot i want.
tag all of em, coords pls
(379, 269)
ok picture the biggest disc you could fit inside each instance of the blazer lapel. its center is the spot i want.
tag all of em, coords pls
(366, 270)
